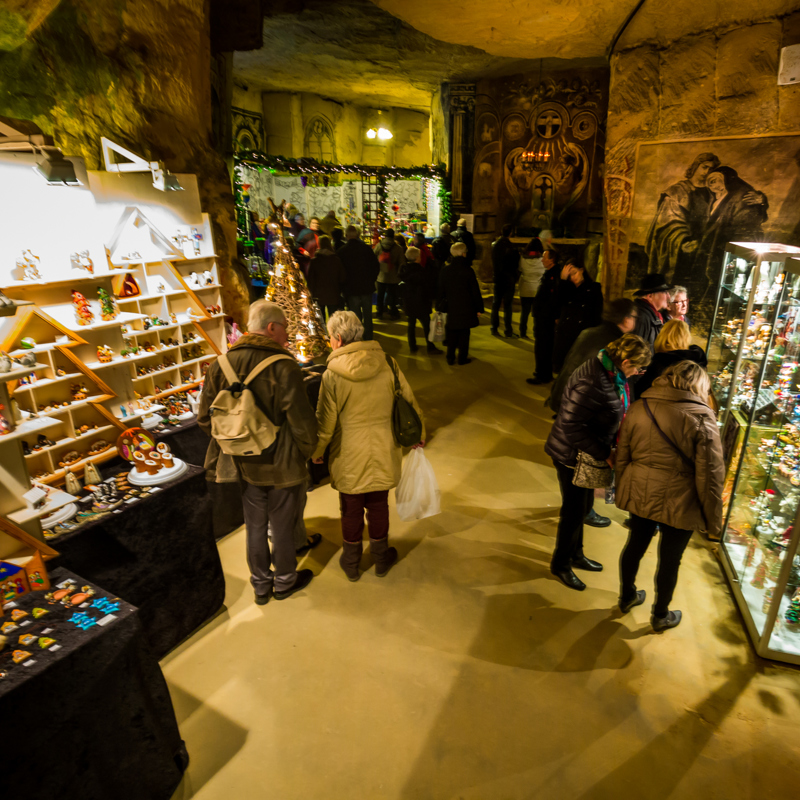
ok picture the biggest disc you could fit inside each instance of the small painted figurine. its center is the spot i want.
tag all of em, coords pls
(83, 313)
(108, 309)
(81, 260)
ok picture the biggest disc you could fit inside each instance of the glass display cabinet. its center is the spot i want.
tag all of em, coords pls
(754, 365)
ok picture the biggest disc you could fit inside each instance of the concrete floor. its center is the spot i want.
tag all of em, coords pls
(469, 672)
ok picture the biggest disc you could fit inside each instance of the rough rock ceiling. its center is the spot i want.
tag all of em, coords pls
(572, 28)
(354, 51)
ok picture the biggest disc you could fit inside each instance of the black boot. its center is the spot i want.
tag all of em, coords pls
(383, 555)
(350, 558)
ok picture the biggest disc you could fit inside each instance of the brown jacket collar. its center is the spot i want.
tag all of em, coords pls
(259, 342)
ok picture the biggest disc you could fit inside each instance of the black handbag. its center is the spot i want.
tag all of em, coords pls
(406, 424)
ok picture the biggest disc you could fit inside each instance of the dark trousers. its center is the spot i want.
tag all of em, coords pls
(264, 505)
(327, 310)
(544, 333)
(575, 504)
(504, 297)
(425, 321)
(361, 305)
(387, 298)
(457, 338)
(527, 308)
(670, 552)
(353, 506)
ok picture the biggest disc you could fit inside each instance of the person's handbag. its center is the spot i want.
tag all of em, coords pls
(406, 424)
(591, 473)
(438, 322)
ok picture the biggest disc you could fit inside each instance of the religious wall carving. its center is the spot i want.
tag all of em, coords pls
(248, 130)
(320, 142)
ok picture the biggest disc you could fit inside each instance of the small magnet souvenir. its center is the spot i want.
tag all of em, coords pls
(45, 642)
(18, 614)
(59, 594)
(26, 639)
(7, 627)
(20, 656)
(39, 612)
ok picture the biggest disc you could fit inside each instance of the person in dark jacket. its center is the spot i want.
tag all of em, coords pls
(673, 344)
(440, 247)
(460, 298)
(337, 237)
(592, 409)
(505, 263)
(390, 257)
(307, 242)
(425, 254)
(545, 316)
(273, 481)
(581, 307)
(326, 277)
(652, 298)
(462, 234)
(420, 285)
(361, 267)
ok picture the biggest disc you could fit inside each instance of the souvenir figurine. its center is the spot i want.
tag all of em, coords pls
(197, 237)
(90, 471)
(72, 485)
(193, 280)
(81, 260)
(161, 287)
(173, 317)
(29, 359)
(5, 427)
(108, 309)
(83, 313)
(5, 362)
(28, 343)
(60, 372)
(208, 278)
(78, 392)
(105, 354)
(29, 264)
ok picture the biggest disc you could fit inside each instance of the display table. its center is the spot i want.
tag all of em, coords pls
(158, 553)
(91, 715)
(189, 442)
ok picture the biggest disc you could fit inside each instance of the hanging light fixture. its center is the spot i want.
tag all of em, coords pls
(378, 131)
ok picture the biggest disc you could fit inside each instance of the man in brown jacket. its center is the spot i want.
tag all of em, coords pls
(275, 480)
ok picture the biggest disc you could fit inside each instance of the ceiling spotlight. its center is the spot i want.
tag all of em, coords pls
(165, 181)
(372, 133)
(384, 133)
(56, 170)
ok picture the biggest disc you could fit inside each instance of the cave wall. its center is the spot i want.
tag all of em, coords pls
(716, 93)
(339, 137)
(135, 72)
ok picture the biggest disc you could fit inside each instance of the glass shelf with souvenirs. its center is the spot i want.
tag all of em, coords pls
(757, 305)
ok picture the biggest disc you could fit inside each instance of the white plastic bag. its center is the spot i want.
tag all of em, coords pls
(438, 321)
(417, 494)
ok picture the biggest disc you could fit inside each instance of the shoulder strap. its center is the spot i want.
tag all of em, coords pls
(390, 362)
(260, 367)
(686, 460)
(227, 370)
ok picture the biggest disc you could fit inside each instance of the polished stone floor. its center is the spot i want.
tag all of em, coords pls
(469, 672)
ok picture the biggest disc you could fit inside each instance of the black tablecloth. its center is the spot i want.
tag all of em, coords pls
(159, 553)
(189, 442)
(92, 719)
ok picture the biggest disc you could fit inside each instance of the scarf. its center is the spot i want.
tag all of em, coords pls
(618, 379)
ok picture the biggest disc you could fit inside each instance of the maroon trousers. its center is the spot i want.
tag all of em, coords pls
(353, 506)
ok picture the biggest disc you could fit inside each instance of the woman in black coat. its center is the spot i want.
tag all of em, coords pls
(460, 298)
(672, 345)
(326, 278)
(581, 303)
(420, 285)
(592, 408)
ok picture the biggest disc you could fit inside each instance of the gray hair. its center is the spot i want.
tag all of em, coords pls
(262, 313)
(458, 249)
(444, 228)
(347, 325)
(689, 377)
(412, 254)
(676, 290)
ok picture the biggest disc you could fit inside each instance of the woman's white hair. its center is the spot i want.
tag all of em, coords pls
(412, 254)
(675, 291)
(347, 325)
(262, 313)
(458, 249)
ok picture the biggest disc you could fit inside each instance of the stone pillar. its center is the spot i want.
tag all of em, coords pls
(462, 125)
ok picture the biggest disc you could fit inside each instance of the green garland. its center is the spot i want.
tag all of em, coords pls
(308, 166)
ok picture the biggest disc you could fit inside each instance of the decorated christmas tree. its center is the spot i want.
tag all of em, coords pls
(108, 308)
(793, 612)
(760, 576)
(287, 287)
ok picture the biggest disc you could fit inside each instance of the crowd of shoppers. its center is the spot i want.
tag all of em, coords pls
(631, 399)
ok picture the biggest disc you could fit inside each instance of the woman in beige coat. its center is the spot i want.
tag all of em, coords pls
(354, 414)
(669, 475)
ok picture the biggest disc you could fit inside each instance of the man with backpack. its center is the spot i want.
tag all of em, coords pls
(255, 407)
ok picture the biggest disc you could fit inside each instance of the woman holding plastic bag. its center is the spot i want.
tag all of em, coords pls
(354, 414)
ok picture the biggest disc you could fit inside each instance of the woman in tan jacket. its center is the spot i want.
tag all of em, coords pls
(354, 414)
(669, 475)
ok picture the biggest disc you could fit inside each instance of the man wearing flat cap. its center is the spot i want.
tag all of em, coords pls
(652, 298)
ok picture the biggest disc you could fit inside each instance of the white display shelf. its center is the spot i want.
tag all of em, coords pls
(120, 319)
(29, 426)
(206, 287)
(153, 329)
(95, 398)
(76, 278)
(56, 500)
(140, 413)
(117, 360)
(190, 259)
(70, 376)
(70, 439)
(20, 372)
(197, 360)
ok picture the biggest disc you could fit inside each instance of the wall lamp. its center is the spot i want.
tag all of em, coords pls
(163, 180)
